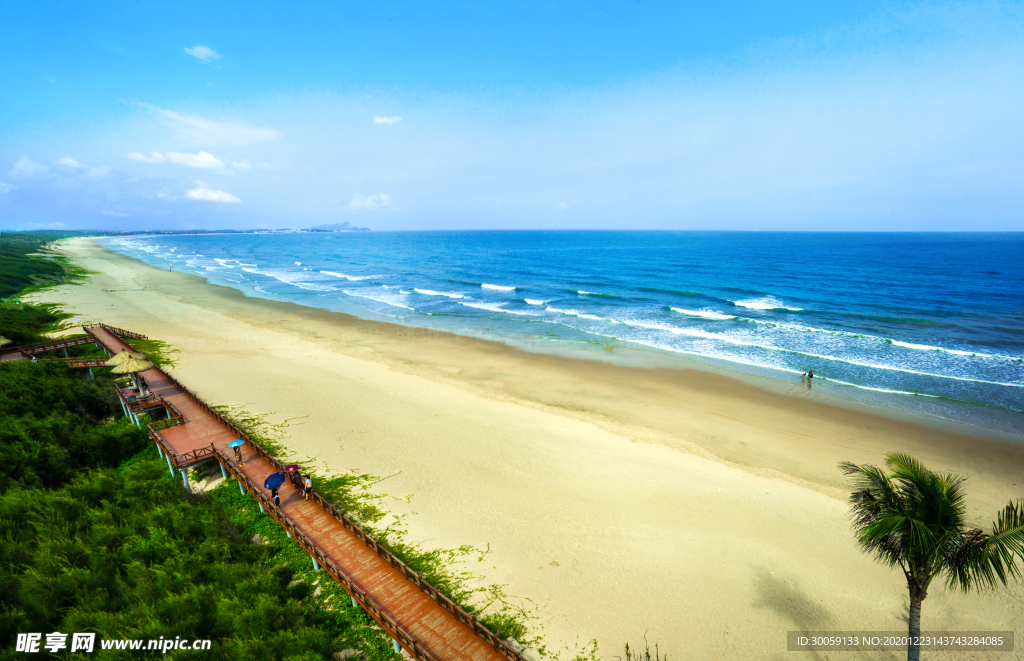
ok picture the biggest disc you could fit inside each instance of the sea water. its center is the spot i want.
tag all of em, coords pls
(932, 324)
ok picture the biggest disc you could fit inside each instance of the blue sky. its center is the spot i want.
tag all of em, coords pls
(639, 114)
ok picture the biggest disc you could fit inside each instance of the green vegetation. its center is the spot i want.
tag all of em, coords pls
(158, 351)
(27, 264)
(55, 423)
(914, 519)
(126, 552)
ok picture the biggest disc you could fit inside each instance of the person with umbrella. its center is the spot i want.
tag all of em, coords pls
(274, 482)
(293, 475)
(307, 490)
(237, 447)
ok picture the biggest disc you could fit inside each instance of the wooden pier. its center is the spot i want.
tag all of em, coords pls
(423, 622)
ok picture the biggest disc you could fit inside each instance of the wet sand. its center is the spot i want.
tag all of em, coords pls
(701, 509)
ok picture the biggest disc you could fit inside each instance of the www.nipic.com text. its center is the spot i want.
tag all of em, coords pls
(86, 642)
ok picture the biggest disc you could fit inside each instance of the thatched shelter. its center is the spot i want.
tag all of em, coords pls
(4, 341)
(133, 366)
(120, 358)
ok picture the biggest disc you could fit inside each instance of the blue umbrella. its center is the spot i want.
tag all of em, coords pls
(235, 444)
(274, 481)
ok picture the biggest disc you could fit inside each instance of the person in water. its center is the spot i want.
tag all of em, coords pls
(810, 377)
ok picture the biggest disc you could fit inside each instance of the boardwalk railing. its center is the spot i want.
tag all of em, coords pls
(120, 332)
(65, 343)
(88, 361)
(41, 347)
(392, 627)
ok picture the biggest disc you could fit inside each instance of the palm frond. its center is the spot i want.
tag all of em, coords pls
(984, 560)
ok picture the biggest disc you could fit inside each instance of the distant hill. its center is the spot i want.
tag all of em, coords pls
(338, 227)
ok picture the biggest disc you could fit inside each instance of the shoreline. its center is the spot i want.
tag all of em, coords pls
(585, 477)
(971, 417)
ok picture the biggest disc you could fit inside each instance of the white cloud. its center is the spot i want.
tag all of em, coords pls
(359, 202)
(5, 187)
(203, 159)
(203, 53)
(53, 224)
(70, 162)
(241, 165)
(163, 195)
(386, 120)
(119, 214)
(26, 168)
(207, 195)
(564, 205)
(154, 157)
(202, 131)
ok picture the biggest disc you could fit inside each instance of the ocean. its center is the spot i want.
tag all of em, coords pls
(930, 324)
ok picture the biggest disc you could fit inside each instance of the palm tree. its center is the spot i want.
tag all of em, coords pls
(914, 518)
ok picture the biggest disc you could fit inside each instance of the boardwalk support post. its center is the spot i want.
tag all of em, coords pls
(159, 451)
(240, 489)
(222, 471)
(316, 565)
(261, 506)
(91, 375)
(184, 477)
(169, 465)
(355, 604)
(398, 648)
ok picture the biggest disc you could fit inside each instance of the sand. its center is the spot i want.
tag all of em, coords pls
(701, 509)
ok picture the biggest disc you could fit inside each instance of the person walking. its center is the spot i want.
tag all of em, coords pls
(238, 455)
(307, 482)
(810, 377)
(277, 497)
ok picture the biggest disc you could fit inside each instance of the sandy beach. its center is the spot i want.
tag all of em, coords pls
(701, 509)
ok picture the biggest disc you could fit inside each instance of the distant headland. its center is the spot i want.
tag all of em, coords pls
(337, 227)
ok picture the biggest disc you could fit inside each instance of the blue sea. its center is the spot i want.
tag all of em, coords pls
(929, 324)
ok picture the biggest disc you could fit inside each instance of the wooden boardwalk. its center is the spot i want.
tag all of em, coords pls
(425, 623)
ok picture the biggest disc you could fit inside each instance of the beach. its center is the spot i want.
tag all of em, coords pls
(703, 510)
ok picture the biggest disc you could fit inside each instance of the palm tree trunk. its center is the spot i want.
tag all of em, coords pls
(913, 646)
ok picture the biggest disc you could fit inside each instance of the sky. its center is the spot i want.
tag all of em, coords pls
(639, 114)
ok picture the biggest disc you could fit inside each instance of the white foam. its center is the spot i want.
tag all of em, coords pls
(695, 332)
(298, 263)
(383, 300)
(920, 347)
(431, 292)
(534, 301)
(904, 370)
(497, 287)
(764, 303)
(354, 278)
(886, 390)
(493, 307)
(584, 293)
(706, 314)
